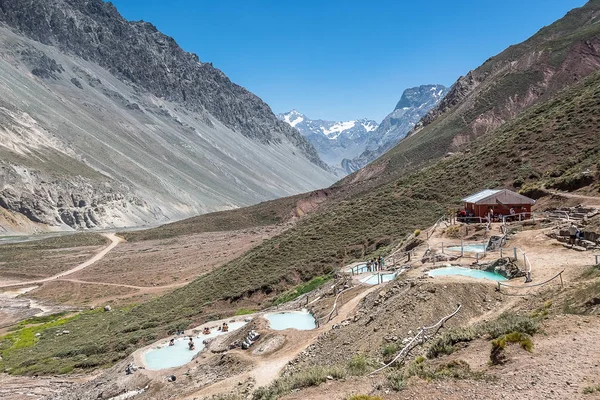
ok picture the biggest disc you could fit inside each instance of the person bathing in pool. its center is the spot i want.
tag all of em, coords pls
(172, 342)
(191, 345)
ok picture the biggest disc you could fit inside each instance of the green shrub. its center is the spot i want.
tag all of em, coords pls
(396, 382)
(358, 365)
(591, 389)
(497, 354)
(532, 190)
(390, 350)
(456, 369)
(244, 311)
(444, 344)
(304, 288)
(419, 368)
(417, 232)
(508, 323)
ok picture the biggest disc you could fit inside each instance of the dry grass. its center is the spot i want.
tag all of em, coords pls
(47, 257)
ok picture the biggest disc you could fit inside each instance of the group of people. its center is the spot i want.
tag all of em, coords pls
(465, 215)
(575, 234)
(462, 215)
(205, 331)
(191, 344)
(513, 215)
(375, 264)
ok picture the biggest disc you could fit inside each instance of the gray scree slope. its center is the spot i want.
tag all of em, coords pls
(105, 122)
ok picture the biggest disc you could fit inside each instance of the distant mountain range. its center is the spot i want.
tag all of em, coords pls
(348, 146)
(333, 140)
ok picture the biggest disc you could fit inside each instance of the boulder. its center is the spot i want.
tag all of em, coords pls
(504, 266)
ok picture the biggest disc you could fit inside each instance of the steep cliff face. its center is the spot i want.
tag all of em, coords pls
(506, 85)
(115, 113)
(413, 105)
(136, 52)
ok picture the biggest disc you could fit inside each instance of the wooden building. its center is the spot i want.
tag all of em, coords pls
(498, 202)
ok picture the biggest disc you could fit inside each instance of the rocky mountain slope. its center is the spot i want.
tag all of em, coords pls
(333, 140)
(505, 86)
(413, 105)
(106, 122)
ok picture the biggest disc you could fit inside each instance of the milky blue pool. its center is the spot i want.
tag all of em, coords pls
(469, 248)
(374, 279)
(473, 273)
(167, 356)
(301, 320)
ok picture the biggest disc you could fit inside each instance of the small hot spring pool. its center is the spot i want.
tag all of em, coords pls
(473, 273)
(177, 355)
(375, 279)
(470, 248)
(301, 320)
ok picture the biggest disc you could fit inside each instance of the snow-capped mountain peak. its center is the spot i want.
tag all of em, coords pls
(334, 140)
(293, 118)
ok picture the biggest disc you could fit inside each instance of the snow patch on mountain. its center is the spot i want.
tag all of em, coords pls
(334, 140)
(334, 131)
(293, 118)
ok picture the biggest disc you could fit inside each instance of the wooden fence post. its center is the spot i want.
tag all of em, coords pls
(561, 281)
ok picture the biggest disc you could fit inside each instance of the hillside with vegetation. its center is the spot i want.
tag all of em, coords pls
(552, 145)
(501, 89)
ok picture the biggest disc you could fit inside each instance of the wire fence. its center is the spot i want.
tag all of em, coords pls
(501, 284)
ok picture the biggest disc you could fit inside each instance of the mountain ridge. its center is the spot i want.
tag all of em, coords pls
(500, 89)
(163, 135)
(350, 145)
(414, 103)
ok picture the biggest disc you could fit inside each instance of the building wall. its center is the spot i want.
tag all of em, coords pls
(482, 210)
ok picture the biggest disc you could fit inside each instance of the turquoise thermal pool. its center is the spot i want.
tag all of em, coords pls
(375, 279)
(301, 320)
(177, 355)
(470, 248)
(473, 273)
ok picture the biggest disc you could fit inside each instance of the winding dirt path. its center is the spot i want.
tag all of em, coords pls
(115, 240)
(576, 196)
(143, 288)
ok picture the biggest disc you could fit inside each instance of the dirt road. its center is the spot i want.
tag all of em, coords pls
(115, 240)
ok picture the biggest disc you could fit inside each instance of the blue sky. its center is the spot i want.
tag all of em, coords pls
(341, 60)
